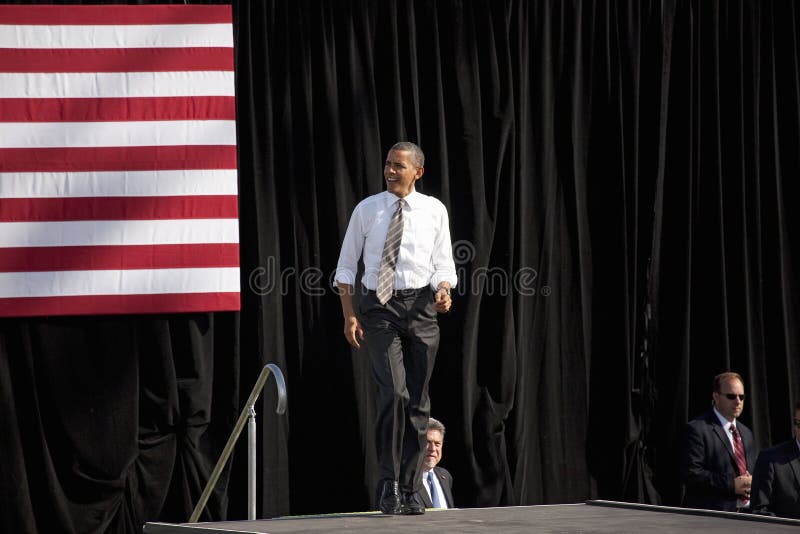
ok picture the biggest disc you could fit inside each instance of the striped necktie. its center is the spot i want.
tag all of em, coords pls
(738, 451)
(391, 248)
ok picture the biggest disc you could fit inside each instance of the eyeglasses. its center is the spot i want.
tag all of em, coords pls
(732, 396)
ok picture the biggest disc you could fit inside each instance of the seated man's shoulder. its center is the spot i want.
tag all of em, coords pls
(787, 450)
(702, 421)
(441, 472)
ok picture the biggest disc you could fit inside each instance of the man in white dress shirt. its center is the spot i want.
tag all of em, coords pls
(398, 321)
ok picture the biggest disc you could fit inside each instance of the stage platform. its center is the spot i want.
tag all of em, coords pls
(590, 517)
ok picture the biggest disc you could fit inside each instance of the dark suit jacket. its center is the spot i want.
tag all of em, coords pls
(709, 466)
(446, 482)
(776, 481)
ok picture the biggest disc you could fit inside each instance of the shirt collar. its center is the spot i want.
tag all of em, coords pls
(724, 422)
(412, 199)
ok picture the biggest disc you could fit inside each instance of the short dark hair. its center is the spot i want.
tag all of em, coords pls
(417, 156)
(435, 424)
(797, 406)
(725, 377)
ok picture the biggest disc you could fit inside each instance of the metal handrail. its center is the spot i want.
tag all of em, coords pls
(249, 408)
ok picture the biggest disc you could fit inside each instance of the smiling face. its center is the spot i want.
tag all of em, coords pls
(730, 408)
(433, 450)
(401, 173)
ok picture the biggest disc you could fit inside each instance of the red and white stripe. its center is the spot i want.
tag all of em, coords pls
(118, 183)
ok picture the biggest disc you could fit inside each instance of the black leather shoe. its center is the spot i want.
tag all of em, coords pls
(389, 502)
(411, 502)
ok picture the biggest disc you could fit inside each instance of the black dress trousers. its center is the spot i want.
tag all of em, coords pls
(402, 338)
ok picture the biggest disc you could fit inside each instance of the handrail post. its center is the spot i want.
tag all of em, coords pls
(268, 369)
(251, 464)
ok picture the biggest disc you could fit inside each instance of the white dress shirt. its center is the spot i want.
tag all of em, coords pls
(442, 499)
(426, 254)
(726, 425)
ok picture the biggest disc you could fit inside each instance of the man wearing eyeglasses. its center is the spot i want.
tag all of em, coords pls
(776, 477)
(437, 481)
(719, 451)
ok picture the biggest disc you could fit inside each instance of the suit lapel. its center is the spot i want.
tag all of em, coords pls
(794, 454)
(424, 492)
(720, 432)
(426, 499)
(445, 484)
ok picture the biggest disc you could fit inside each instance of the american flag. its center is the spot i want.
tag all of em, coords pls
(118, 184)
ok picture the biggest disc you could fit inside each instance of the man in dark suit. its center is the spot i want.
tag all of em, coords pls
(437, 480)
(776, 478)
(719, 451)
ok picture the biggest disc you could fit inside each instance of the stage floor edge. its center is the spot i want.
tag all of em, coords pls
(596, 516)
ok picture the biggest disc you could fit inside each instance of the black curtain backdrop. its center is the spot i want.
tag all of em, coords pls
(620, 178)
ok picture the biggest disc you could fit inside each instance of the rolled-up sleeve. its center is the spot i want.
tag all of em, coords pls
(444, 268)
(350, 253)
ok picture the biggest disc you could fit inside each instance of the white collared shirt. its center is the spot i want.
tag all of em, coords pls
(726, 425)
(442, 499)
(426, 254)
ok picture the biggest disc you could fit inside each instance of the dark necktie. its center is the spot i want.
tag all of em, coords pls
(437, 503)
(391, 248)
(738, 451)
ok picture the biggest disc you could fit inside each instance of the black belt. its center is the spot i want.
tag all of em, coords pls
(405, 293)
